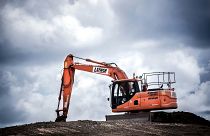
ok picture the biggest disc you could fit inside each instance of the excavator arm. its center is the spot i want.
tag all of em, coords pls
(102, 68)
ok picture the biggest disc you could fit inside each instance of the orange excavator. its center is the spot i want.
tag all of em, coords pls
(150, 91)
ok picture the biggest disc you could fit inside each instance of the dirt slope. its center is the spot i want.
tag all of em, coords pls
(122, 127)
(195, 126)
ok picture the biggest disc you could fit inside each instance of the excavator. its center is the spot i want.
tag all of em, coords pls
(148, 92)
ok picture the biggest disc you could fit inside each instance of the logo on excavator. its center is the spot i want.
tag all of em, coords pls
(100, 70)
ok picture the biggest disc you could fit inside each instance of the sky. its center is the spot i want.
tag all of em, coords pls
(139, 35)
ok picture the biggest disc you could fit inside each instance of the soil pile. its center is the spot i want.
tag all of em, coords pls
(182, 124)
(179, 117)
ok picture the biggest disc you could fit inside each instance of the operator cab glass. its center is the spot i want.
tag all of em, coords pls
(122, 91)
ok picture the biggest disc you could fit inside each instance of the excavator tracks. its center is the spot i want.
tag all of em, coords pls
(162, 117)
(142, 116)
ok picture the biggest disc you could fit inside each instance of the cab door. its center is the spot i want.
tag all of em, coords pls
(119, 95)
(135, 97)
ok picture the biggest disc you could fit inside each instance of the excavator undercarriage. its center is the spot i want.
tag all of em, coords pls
(142, 116)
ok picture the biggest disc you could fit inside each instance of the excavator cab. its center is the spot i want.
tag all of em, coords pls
(151, 91)
(122, 91)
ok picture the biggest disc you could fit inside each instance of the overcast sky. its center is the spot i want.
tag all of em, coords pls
(139, 35)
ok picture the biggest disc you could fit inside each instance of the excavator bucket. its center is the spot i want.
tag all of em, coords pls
(60, 119)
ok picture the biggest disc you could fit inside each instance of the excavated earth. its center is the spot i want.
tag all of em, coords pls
(163, 124)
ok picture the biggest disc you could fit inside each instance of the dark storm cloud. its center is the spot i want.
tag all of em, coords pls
(9, 113)
(7, 53)
(180, 22)
(186, 21)
(204, 61)
(196, 19)
(31, 52)
(2, 3)
(206, 112)
(42, 9)
(10, 55)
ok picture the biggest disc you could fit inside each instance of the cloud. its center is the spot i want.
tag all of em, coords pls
(198, 102)
(89, 97)
(195, 17)
(8, 110)
(146, 20)
(65, 29)
(56, 29)
(24, 99)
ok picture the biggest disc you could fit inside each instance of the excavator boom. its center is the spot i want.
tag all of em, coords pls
(70, 66)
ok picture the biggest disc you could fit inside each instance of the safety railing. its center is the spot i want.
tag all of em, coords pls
(158, 79)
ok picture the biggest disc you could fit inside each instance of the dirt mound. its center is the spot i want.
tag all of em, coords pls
(179, 117)
(118, 127)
